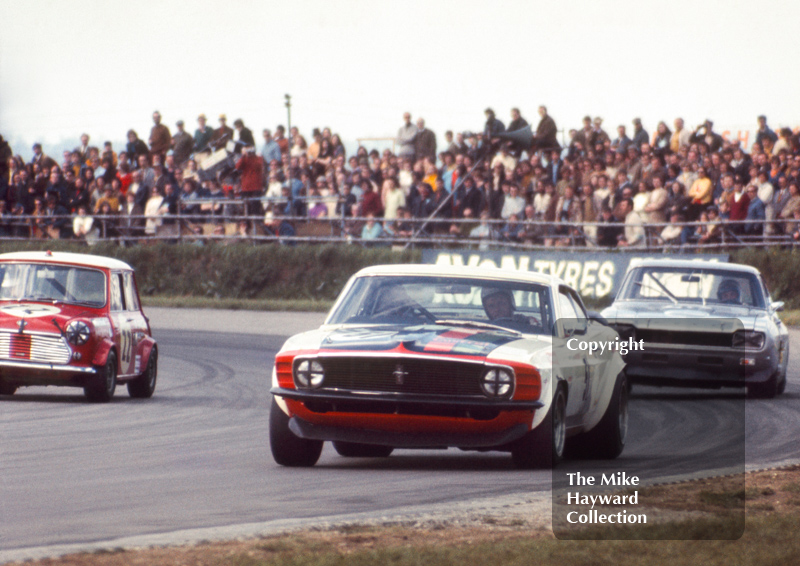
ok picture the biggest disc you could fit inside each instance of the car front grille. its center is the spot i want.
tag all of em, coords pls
(402, 375)
(48, 348)
(713, 339)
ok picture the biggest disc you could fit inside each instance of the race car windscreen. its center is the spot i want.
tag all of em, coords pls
(405, 300)
(43, 282)
(698, 286)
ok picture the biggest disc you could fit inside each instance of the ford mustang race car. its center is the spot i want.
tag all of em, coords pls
(76, 320)
(701, 324)
(422, 356)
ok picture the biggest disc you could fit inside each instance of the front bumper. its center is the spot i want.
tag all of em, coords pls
(407, 421)
(432, 439)
(42, 373)
(361, 402)
(679, 364)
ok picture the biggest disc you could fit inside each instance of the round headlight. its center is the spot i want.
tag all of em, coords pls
(78, 332)
(309, 374)
(497, 383)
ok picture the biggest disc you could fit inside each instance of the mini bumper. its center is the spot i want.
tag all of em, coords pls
(41, 373)
(34, 366)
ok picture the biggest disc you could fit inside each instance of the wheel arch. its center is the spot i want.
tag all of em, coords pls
(103, 350)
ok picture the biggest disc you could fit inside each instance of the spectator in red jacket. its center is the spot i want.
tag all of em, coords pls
(252, 179)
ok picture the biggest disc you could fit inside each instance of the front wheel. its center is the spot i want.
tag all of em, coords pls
(144, 386)
(288, 449)
(104, 383)
(606, 441)
(543, 447)
(767, 390)
(355, 450)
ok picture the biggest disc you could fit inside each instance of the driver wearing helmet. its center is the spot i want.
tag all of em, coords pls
(498, 303)
(729, 293)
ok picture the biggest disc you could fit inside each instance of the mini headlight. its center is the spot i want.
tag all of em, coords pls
(748, 339)
(497, 383)
(78, 332)
(309, 374)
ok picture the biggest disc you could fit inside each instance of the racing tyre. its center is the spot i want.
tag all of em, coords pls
(782, 385)
(355, 450)
(767, 390)
(543, 447)
(287, 448)
(7, 388)
(105, 382)
(607, 440)
(143, 386)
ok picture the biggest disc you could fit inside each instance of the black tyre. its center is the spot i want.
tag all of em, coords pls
(144, 386)
(105, 382)
(767, 390)
(782, 385)
(606, 441)
(287, 448)
(7, 388)
(543, 447)
(355, 450)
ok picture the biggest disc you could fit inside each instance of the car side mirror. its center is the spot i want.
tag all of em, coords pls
(777, 306)
(577, 330)
(597, 317)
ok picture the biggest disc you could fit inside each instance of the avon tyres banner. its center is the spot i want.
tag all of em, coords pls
(592, 274)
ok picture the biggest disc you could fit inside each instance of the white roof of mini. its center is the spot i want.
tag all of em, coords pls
(65, 257)
(689, 264)
(459, 271)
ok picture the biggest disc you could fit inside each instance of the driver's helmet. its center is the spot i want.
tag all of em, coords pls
(729, 292)
(487, 292)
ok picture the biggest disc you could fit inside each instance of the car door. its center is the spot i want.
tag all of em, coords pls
(137, 321)
(596, 364)
(569, 359)
(122, 323)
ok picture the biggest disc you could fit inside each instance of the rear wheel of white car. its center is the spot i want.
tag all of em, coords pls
(356, 450)
(607, 440)
(7, 388)
(144, 386)
(543, 447)
(288, 449)
(767, 390)
(104, 383)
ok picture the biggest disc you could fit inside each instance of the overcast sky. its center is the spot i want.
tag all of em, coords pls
(102, 67)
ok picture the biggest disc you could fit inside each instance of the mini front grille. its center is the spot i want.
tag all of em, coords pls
(48, 348)
(402, 375)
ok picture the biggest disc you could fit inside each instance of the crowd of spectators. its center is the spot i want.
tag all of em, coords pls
(513, 184)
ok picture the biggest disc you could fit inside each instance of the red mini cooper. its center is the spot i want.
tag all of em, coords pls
(74, 320)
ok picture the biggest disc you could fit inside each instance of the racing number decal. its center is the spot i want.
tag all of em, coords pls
(125, 340)
(126, 345)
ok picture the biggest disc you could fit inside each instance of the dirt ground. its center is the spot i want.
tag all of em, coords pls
(763, 493)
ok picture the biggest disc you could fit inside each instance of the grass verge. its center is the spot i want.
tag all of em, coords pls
(295, 305)
(771, 500)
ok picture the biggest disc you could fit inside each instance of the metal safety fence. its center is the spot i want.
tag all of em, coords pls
(235, 220)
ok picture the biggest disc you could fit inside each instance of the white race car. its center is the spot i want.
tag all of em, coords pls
(702, 324)
(422, 356)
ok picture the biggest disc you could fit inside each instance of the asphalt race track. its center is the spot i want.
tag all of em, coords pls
(197, 455)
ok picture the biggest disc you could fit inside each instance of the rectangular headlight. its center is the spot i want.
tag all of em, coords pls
(748, 339)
